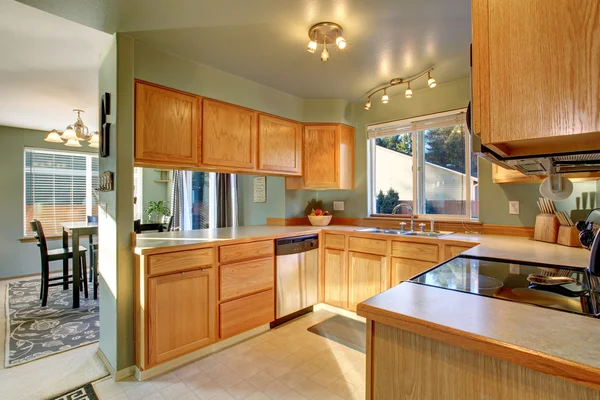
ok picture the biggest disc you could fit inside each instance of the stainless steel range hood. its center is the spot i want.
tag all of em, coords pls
(563, 163)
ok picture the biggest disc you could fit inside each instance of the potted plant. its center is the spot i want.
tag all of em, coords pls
(157, 211)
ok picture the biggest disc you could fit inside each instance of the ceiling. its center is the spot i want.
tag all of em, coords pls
(48, 67)
(265, 40)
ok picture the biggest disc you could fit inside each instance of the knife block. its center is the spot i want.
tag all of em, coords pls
(568, 236)
(546, 228)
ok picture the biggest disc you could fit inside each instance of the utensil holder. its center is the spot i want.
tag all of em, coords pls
(568, 236)
(546, 228)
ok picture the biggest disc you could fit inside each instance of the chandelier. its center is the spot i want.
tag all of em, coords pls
(398, 81)
(325, 33)
(74, 134)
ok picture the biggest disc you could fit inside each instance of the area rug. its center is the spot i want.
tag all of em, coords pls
(33, 331)
(347, 331)
(86, 392)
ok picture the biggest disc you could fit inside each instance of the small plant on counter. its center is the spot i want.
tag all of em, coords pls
(156, 210)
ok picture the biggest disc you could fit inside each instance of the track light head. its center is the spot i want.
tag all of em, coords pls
(408, 92)
(431, 82)
(312, 46)
(368, 105)
(385, 98)
(340, 42)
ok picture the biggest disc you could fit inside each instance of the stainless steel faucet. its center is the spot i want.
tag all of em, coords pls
(412, 214)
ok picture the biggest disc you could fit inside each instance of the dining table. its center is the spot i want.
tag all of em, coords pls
(78, 229)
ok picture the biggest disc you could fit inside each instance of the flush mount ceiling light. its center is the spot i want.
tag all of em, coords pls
(399, 81)
(326, 33)
(74, 133)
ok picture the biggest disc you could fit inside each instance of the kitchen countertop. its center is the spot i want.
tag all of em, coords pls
(494, 246)
(553, 342)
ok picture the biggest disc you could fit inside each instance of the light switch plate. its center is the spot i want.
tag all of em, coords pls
(338, 206)
(513, 207)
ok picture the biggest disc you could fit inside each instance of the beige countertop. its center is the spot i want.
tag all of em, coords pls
(495, 246)
(550, 341)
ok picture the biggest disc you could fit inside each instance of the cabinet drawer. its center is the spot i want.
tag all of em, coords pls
(179, 261)
(452, 251)
(374, 246)
(245, 251)
(416, 251)
(247, 313)
(334, 241)
(247, 277)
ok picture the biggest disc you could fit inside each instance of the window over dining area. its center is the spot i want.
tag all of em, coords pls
(425, 162)
(59, 187)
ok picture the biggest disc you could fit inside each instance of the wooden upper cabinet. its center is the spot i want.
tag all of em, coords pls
(279, 145)
(181, 313)
(167, 125)
(328, 158)
(536, 86)
(228, 135)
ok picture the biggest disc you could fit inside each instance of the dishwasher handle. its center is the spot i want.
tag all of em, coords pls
(296, 245)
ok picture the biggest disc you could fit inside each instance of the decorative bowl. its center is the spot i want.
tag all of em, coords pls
(320, 220)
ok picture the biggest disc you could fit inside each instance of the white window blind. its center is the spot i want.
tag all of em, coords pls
(59, 187)
(417, 124)
(138, 189)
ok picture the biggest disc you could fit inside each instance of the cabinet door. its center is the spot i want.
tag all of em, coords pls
(166, 126)
(321, 156)
(336, 278)
(279, 145)
(228, 135)
(550, 92)
(404, 269)
(366, 277)
(181, 314)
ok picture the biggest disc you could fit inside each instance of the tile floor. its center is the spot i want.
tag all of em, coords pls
(287, 362)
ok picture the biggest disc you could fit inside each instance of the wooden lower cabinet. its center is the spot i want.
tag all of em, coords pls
(404, 269)
(336, 278)
(181, 315)
(244, 278)
(366, 277)
(453, 250)
(241, 315)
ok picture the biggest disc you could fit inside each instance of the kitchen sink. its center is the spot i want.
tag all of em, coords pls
(402, 233)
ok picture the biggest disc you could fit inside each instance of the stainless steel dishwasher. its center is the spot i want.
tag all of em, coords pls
(297, 269)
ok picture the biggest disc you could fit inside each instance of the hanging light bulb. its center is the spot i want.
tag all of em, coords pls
(368, 104)
(340, 42)
(431, 82)
(324, 53)
(73, 143)
(408, 92)
(385, 98)
(54, 137)
(95, 140)
(69, 133)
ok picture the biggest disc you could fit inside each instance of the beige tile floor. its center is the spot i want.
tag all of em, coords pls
(287, 362)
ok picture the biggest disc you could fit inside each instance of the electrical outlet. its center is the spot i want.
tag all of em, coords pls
(513, 207)
(338, 206)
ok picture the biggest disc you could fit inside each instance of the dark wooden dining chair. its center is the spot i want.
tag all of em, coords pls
(62, 254)
(93, 247)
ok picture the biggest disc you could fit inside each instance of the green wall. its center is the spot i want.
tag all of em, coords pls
(18, 258)
(151, 190)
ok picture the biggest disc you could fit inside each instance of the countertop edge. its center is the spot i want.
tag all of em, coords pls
(514, 354)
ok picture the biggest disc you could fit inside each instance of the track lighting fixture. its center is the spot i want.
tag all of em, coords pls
(398, 81)
(326, 33)
(431, 82)
(385, 98)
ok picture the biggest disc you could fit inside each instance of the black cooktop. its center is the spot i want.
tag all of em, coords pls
(509, 280)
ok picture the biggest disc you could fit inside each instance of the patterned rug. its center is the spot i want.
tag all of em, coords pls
(33, 331)
(86, 392)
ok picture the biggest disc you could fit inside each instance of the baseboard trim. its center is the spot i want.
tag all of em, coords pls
(9, 278)
(115, 375)
(340, 311)
(143, 375)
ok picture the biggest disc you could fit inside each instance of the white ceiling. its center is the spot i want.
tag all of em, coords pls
(48, 67)
(265, 40)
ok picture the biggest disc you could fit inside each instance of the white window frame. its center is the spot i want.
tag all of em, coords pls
(88, 180)
(418, 163)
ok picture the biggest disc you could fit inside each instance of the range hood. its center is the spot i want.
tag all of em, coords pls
(542, 164)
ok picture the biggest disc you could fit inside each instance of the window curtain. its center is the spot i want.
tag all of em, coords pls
(227, 200)
(181, 201)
